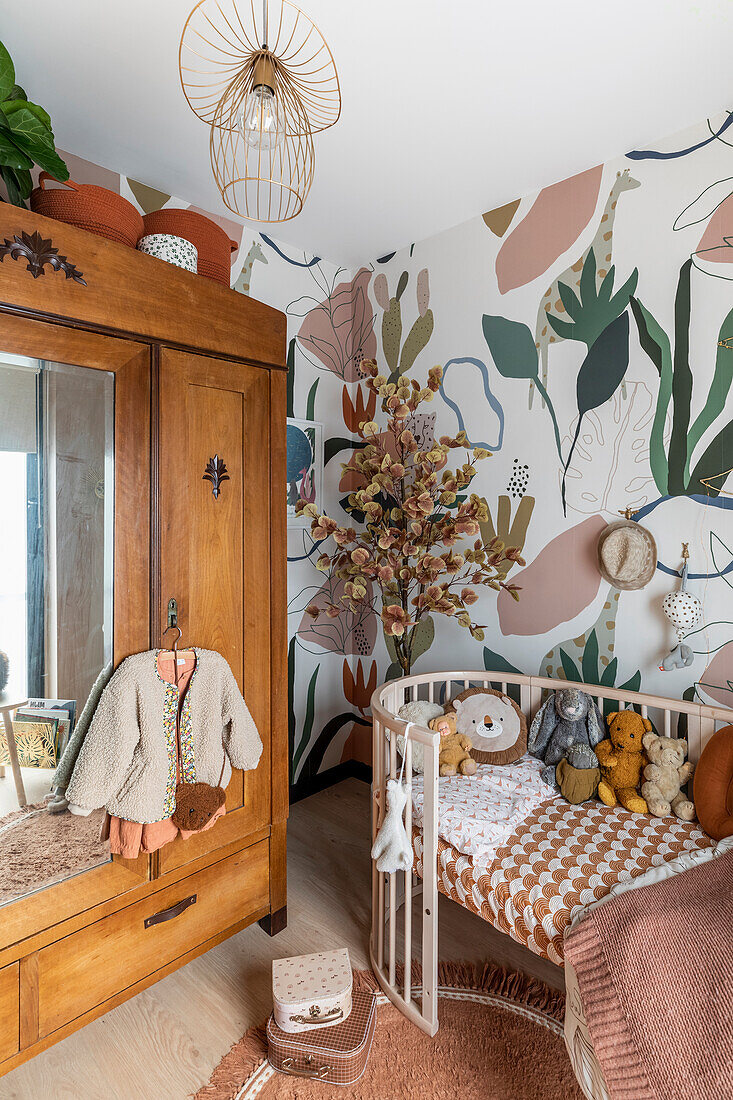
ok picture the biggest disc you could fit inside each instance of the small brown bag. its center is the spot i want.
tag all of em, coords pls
(196, 803)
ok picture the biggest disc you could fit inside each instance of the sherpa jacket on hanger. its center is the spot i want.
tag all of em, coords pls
(128, 760)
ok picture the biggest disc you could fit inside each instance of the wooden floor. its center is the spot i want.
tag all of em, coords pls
(164, 1043)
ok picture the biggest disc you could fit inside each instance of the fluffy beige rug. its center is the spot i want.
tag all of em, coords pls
(500, 1038)
(38, 848)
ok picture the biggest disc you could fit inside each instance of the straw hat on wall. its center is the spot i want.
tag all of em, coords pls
(627, 554)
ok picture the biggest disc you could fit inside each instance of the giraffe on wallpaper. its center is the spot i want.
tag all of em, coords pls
(244, 281)
(602, 245)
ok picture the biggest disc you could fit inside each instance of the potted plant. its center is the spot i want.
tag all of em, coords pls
(26, 137)
(413, 512)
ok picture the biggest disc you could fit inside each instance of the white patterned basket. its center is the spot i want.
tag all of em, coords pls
(172, 249)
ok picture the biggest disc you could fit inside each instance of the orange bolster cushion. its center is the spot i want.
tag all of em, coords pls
(713, 785)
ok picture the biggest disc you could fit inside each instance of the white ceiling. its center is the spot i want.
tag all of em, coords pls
(449, 109)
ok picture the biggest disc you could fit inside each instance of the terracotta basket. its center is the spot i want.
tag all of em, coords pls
(214, 246)
(90, 207)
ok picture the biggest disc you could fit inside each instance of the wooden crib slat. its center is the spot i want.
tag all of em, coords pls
(408, 877)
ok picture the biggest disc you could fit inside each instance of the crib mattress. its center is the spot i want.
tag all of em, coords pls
(558, 860)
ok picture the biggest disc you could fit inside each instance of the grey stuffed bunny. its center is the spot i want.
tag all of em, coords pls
(568, 717)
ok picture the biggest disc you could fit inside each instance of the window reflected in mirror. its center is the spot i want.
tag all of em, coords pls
(56, 589)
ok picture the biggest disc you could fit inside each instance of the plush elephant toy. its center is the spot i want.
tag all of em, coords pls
(568, 717)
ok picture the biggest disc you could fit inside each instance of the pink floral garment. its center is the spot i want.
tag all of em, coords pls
(477, 813)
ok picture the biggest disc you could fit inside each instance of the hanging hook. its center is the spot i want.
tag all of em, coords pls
(180, 635)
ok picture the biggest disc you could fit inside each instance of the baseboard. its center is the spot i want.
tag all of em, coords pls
(350, 769)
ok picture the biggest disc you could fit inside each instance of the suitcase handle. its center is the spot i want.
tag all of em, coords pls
(289, 1065)
(318, 1021)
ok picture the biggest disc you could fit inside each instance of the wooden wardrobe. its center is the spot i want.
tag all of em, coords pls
(199, 373)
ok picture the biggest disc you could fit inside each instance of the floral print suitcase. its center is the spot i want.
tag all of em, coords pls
(337, 1055)
(311, 991)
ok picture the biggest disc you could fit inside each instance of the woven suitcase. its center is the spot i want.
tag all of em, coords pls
(337, 1055)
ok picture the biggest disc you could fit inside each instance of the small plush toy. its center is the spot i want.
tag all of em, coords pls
(665, 773)
(621, 759)
(568, 717)
(392, 849)
(419, 711)
(455, 748)
(495, 724)
(578, 774)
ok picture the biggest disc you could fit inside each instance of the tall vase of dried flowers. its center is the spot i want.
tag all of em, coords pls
(412, 513)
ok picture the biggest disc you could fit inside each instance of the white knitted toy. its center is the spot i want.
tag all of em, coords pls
(392, 848)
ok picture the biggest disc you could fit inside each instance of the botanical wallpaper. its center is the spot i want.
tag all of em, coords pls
(583, 331)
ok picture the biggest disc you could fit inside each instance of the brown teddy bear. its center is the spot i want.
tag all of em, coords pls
(455, 748)
(621, 759)
(665, 773)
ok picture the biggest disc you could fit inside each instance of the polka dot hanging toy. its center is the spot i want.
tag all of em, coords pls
(684, 611)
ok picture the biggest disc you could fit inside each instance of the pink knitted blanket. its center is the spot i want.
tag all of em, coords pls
(655, 971)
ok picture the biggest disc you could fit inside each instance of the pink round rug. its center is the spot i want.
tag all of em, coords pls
(500, 1038)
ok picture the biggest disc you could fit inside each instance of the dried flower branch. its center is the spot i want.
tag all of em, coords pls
(412, 513)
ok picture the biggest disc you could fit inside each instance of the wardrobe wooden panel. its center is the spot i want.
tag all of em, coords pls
(215, 550)
(9, 1011)
(119, 950)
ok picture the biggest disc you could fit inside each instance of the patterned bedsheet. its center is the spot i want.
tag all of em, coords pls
(560, 858)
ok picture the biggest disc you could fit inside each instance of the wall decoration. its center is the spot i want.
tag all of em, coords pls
(475, 411)
(500, 218)
(336, 332)
(243, 282)
(304, 466)
(684, 611)
(558, 216)
(216, 473)
(39, 252)
(400, 356)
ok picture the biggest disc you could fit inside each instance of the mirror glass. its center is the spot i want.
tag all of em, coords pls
(56, 574)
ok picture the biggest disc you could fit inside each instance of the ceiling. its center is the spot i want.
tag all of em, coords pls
(449, 109)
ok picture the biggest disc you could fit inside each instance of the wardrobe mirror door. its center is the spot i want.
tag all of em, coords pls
(56, 580)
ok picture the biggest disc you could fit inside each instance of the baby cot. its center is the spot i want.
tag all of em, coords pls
(555, 860)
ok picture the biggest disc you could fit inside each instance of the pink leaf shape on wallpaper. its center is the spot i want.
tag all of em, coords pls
(561, 581)
(339, 332)
(351, 632)
(717, 230)
(717, 678)
(558, 216)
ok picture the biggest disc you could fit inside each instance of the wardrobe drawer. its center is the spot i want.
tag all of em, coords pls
(85, 969)
(9, 1010)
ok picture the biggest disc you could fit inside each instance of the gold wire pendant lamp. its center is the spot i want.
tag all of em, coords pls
(265, 81)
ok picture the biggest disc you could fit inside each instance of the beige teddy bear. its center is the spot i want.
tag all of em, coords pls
(455, 748)
(665, 773)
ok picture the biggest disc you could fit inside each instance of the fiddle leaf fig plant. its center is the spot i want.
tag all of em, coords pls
(413, 514)
(26, 137)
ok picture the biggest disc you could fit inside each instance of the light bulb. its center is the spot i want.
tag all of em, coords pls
(260, 120)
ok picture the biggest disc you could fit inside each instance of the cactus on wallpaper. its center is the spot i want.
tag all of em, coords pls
(511, 533)
(671, 469)
(401, 356)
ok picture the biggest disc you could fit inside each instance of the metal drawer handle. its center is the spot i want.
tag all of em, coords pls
(306, 1069)
(169, 914)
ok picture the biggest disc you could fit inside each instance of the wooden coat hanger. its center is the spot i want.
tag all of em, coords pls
(174, 654)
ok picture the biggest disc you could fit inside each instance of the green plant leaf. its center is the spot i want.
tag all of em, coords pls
(717, 394)
(28, 129)
(587, 286)
(422, 638)
(570, 668)
(11, 155)
(494, 662)
(608, 676)
(417, 339)
(564, 329)
(401, 285)
(12, 184)
(12, 106)
(681, 384)
(604, 366)
(633, 683)
(45, 157)
(310, 405)
(569, 300)
(512, 347)
(621, 298)
(307, 721)
(715, 460)
(17, 92)
(392, 333)
(606, 288)
(590, 659)
(7, 74)
(655, 343)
